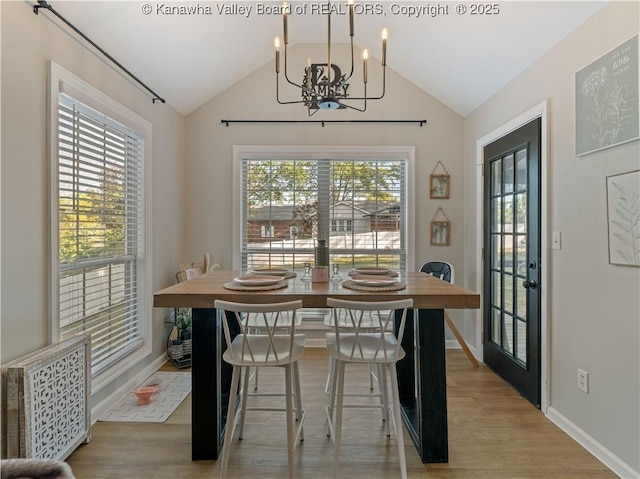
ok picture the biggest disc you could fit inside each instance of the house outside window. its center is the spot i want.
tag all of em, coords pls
(332, 198)
(99, 228)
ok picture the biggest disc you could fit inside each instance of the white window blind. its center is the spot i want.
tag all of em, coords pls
(101, 233)
(359, 206)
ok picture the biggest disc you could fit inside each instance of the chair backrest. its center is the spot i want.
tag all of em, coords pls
(362, 339)
(439, 269)
(261, 329)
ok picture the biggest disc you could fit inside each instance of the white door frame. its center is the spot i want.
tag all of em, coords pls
(539, 111)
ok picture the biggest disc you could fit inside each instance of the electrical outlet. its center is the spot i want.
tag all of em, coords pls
(583, 380)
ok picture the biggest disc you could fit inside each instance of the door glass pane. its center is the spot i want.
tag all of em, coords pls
(507, 340)
(508, 293)
(521, 254)
(507, 253)
(496, 289)
(521, 299)
(521, 350)
(521, 212)
(496, 177)
(495, 325)
(496, 215)
(521, 169)
(508, 173)
(496, 251)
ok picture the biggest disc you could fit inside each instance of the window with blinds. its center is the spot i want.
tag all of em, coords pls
(100, 231)
(359, 206)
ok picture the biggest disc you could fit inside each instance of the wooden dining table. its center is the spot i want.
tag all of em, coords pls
(421, 374)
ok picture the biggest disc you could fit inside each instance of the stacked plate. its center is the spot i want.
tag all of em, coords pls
(373, 280)
(271, 271)
(373, 276)
(360, 270)
(258, 279)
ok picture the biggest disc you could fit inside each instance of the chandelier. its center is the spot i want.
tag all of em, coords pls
(324, 86)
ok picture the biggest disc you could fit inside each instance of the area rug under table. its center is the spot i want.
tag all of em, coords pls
(173, 388)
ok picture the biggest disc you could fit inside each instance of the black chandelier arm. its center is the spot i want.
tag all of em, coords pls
(278, 94)
(347, 77)
(365, 97)
(46, 6)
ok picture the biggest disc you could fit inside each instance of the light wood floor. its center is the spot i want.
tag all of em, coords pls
(493, 433)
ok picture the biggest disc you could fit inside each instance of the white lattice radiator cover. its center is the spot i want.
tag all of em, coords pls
(45, 401)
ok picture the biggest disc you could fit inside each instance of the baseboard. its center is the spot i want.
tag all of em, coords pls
(103, 406)
(604, 455)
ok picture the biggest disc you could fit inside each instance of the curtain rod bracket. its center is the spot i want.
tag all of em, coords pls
(46, 6)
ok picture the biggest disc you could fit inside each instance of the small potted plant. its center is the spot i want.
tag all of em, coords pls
(183, 320)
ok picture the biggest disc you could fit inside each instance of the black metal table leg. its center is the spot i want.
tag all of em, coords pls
(424, 402)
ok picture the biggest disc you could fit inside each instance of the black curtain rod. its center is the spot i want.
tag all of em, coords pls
(226, 122)
(46, 6)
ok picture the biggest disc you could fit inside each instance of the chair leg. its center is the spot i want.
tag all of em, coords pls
(298, 397)
(228, 434)
(290, 429)
(461, 340)
(337, 424)
(384, 393)
(327, 384)
(255, 385)
(331, 399)
(397, 419)
(245, 392)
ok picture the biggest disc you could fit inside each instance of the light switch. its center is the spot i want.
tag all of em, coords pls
(555, 240)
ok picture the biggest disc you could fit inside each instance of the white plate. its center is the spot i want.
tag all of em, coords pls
(258, 280)
(270, 271)
(371, 270)
(371, 280)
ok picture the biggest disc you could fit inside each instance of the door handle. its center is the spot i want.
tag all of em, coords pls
(526, 284)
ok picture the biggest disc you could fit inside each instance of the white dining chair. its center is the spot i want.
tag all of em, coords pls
(357, 345)
(264, 346)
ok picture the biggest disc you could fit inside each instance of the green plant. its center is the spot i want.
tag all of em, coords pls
(183, 320)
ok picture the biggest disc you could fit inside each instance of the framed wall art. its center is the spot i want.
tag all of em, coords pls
(607, 102)
(439, 183)
(440, 229)
(623, 218)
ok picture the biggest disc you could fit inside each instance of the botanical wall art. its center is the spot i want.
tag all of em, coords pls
(623, 210)
(440, 229)
(607, 101)
(439, 183)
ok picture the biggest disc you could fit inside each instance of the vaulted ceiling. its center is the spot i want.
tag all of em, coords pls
(459, 58)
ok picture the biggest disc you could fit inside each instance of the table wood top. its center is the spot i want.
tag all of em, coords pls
(426, 291)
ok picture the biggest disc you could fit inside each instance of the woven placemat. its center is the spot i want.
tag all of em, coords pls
(242, 287)
(358, 287)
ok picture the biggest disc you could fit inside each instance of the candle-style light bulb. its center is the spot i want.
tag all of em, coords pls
(384, 47)
(365, 56)
(277, 45)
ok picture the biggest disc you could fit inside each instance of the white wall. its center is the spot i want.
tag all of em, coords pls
(594, 306)
(28, 42)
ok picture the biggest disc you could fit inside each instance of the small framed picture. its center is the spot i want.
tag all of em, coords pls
(623, 212)
(439, 186)
(440, 233)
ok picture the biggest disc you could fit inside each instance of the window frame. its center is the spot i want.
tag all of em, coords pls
(63, 81)
(266, 152)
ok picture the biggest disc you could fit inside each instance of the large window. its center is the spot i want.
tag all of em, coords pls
(98, 228)
(359, 205)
